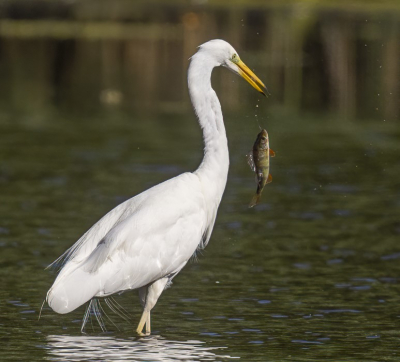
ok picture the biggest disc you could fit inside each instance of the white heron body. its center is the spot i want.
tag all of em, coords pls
(145, 241)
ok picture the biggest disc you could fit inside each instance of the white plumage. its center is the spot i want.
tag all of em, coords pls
(145, 241)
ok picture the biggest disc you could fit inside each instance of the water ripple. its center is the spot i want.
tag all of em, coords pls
(154, 348)
(390, 256)
(305, 342)
(328, 311)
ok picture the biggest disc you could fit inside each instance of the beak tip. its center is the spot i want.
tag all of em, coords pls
(265, 92)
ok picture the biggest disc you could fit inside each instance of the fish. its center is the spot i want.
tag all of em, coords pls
(258, 160)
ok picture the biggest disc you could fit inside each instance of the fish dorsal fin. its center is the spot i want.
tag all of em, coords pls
(271, 153)
(250, 161)
(269, 179)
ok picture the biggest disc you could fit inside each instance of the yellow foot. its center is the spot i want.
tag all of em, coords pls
(144, 320)
(141, 334)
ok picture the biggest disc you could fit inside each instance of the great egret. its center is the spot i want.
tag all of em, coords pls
(145, 241)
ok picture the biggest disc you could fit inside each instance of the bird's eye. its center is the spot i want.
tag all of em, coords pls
(235, 58)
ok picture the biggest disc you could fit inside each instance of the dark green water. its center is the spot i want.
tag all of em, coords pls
(311, 274)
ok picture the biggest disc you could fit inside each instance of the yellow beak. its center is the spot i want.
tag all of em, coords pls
(247, 74)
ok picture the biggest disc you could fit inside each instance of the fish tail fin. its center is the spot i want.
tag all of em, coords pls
(254, 200)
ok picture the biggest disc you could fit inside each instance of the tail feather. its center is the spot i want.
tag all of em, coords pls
(71, 291)
(102, 310)
(117, 308)
(95, 308)
(86, 316)
(97, 313)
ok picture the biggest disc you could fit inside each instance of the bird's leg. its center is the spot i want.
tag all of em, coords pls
(148, 329)
(144, 320)
(145, 317)
(142, 297)
(151, 292)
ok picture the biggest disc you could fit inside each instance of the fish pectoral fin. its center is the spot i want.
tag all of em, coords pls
(271, 153)
(269, 179)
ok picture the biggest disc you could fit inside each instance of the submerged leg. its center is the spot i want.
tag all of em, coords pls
(148, 298)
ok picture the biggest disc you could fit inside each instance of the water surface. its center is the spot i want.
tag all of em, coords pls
(310, 274)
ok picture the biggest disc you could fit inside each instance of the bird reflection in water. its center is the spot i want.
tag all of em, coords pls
(155, 348)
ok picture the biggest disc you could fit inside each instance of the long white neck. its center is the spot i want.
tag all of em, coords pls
(213, 170)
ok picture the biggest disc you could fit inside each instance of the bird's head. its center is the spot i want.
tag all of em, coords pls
(225, 55)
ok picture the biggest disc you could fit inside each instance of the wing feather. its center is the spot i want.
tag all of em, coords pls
(146, 238)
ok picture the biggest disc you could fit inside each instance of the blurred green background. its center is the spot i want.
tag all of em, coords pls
(336, 56)
(94, 109)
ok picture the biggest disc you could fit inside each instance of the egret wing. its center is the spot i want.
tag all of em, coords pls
(153, 240)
